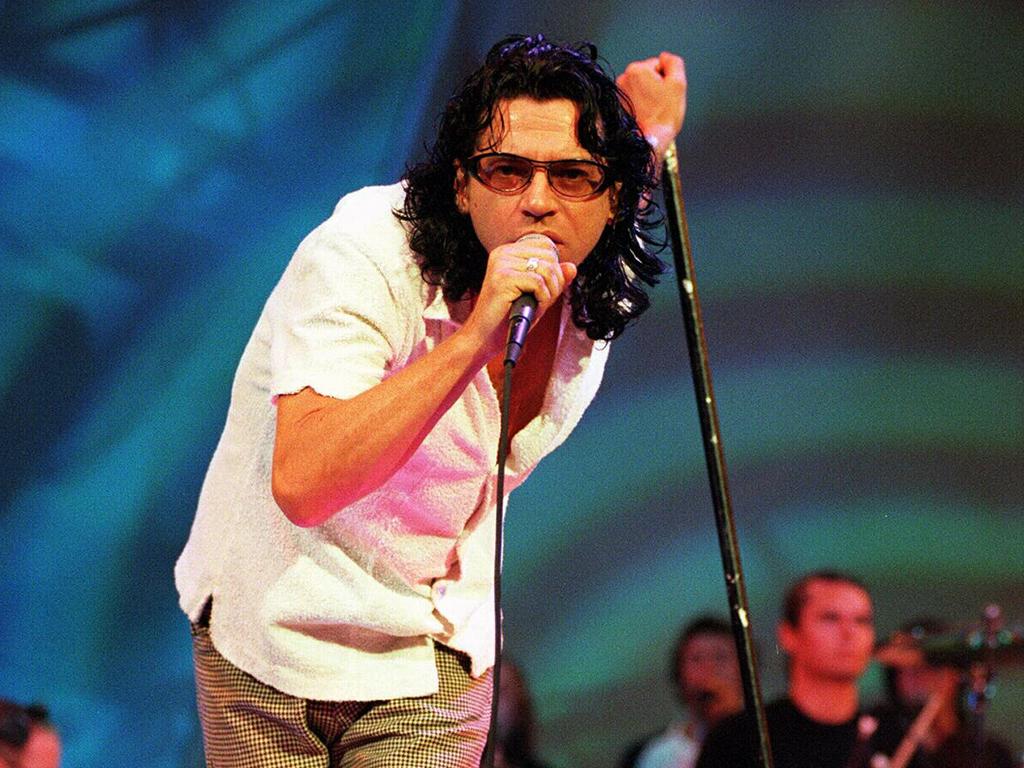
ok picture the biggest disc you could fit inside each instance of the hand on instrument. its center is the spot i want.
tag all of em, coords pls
(656, 87)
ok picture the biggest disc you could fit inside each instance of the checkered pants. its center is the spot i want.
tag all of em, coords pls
(247, 724)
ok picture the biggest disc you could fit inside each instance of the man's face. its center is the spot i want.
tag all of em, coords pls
(710, 675)
(538, 130)
(835, 635)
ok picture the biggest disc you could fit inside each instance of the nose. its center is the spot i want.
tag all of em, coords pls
(538, 199)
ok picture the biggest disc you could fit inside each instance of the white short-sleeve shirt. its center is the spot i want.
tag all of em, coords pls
(350, 609)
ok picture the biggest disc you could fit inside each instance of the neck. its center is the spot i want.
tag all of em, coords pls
(824, 700)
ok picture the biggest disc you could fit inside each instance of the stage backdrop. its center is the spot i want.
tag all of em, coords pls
(854, 181)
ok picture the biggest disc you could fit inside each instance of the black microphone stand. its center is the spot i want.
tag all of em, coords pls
(713, 453)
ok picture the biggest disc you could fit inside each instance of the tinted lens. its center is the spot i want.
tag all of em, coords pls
(504, 172)
(575, 178)
(511, 173)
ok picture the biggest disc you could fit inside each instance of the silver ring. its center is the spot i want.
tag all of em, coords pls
(532, 263)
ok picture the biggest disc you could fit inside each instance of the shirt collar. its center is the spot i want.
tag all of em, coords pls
(437, 308)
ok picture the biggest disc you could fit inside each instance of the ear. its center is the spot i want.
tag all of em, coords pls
(613, 202)
(461, 189)
(784, 634)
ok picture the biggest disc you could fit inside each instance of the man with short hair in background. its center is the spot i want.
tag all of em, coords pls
(828, 635)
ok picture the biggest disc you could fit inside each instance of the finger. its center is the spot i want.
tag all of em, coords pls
(542, 250)
(530, 265)
(642, 64)
(549, 278)
(672, 66)
(638, 69)
(522, 279)
(556, 275)
(545, 252)
(537, 245)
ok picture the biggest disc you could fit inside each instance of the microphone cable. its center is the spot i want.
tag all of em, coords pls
(520, 319)
(487, 760)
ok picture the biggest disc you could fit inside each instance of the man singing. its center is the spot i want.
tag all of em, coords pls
(338, 575)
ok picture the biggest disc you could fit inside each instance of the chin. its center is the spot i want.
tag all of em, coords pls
(848, 674)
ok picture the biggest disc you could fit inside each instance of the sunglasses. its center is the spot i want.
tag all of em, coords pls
(509, 174)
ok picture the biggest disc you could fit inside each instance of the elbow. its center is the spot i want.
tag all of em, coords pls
(302, 501)
(297, 505)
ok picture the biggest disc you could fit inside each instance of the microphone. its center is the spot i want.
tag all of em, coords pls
(520, 317)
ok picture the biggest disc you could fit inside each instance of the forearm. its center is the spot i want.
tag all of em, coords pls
(330, 452)
(656, 88)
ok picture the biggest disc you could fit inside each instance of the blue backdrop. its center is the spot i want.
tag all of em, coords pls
(855, 185)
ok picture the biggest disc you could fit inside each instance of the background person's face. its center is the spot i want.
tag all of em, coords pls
(710, 675)
(835, 636)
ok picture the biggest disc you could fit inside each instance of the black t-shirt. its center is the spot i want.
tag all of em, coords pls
(797, 741)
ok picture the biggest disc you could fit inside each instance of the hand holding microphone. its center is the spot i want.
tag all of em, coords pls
(524, 308)
(527, 272)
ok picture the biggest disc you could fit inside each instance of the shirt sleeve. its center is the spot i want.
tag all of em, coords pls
(334, 319)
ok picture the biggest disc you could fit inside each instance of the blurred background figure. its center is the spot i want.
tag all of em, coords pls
(953, 738)
(27, 738)
(827, 634)
(516, 727)
(705, 672)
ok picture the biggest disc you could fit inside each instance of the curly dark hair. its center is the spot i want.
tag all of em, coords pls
(609, 291)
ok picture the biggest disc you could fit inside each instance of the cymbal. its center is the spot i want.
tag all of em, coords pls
(959, 649)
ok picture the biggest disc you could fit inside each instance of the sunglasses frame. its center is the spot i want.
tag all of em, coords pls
(472, 165)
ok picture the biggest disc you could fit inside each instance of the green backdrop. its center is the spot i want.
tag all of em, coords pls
(855, 185)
